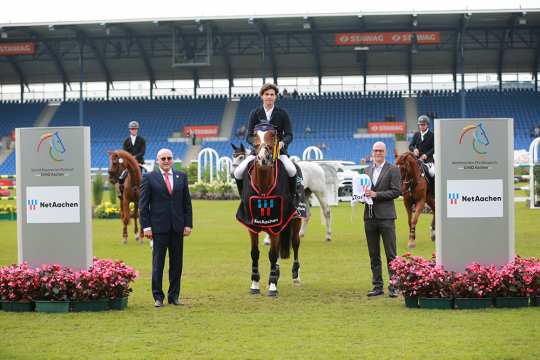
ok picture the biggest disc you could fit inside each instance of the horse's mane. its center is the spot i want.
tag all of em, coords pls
(131, 164)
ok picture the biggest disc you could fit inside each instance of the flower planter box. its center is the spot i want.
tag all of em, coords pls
(411, 302)
(91, 305)
(17, 306)
(436, 303)
(472, 303)
(8, 216)
(52, 306)
(118, 304)
(535, 300)
(511, 302)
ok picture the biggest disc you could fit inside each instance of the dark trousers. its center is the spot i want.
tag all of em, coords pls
(174, 242)
(375, 229)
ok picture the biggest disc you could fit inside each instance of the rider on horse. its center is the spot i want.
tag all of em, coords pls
(270, 114)
(423, 145)
(136, 146)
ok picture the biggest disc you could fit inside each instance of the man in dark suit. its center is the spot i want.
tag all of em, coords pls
(379, 218)
(423, 143)
(166, 217)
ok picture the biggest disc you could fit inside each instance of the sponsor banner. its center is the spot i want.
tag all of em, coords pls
(201, 130)
(53, 204)
(386, 128)
(22, 48)
(474, 198)
(388, 38)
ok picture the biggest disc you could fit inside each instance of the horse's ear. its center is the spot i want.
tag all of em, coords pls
(242, 148)
(234, 147)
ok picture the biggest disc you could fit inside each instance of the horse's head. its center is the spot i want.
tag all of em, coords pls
(266, 145)
(239, 154)
(116, 166)
(405, 162)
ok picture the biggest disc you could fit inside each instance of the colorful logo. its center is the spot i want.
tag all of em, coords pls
(56, 146)
(265, 206)
(480, 139)
(453, 198)
(32, 204)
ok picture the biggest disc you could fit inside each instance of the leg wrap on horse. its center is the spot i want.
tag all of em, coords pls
(295, 268)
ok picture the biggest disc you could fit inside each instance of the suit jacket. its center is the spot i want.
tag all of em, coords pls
(280, 119)
(424, 147)
(162, 211)
(136, 150)
(388, 188)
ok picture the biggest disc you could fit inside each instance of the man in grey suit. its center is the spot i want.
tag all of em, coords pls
(379, 218)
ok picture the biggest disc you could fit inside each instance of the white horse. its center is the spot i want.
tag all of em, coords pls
(314, 183)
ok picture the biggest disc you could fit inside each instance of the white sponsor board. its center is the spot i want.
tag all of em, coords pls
(475, 198)
(53, 204)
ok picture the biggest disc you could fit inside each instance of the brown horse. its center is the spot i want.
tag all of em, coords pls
(414, 187)
(263, 174)
(120, 160)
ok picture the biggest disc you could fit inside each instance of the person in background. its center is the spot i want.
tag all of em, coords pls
(136, 146)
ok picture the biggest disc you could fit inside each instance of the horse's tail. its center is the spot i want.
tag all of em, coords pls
(285, 242)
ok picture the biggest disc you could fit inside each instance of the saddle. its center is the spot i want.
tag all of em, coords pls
(430, 180)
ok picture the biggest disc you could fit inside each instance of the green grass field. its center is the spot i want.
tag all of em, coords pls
(327, 317)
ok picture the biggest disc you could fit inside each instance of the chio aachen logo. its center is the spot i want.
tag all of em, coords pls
(34, 204)
(454, 198)
(56, 146)
(480, 140)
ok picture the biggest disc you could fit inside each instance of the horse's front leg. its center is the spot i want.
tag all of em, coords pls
(431, 204)
(418, 207)
(295, 233)
(138, 235)
(408, 204)
(255, 276)
(124, 217)
(274, 267)
(325, 208)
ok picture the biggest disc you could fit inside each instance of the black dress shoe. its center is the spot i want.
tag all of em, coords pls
(158, 303)
(375, 292)
(174, 302)
(393, 292)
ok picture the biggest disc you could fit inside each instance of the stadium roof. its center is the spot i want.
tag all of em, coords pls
(271, 47)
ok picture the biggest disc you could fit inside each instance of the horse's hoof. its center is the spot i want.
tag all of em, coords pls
(296, 281)
(272, 293)
(124, 241)
(411, 245)
(328, 239)
(254, 291)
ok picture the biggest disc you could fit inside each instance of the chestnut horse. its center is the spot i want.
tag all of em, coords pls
(120, 160)
(415, 191)
(263, 174)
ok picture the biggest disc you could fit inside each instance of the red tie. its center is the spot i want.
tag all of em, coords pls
(167, 181)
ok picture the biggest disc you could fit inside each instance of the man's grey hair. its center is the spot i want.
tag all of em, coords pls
(379, 143)
(162, 152)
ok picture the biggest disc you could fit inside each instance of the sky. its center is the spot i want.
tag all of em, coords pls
(54, 11)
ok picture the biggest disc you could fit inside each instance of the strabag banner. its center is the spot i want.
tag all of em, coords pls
(388, 38)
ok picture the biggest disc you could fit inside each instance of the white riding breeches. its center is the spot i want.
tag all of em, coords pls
(431, 169)
(289, 166)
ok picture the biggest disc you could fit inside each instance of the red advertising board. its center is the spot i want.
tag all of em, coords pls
(201, 130)
(388, 38)
(21, 48)
(386, 128)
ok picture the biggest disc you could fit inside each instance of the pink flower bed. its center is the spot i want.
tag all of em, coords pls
(416, 276)
(106, 279)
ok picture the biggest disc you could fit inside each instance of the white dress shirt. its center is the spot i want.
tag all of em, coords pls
(133, 139)
(171, 178)
(268, 113)
(423, 133)
(377, 172)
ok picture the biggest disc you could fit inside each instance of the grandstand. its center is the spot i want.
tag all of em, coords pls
(325, 114)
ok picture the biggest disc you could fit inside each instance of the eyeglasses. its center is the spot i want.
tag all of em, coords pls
(168, 158)
(377, 150)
